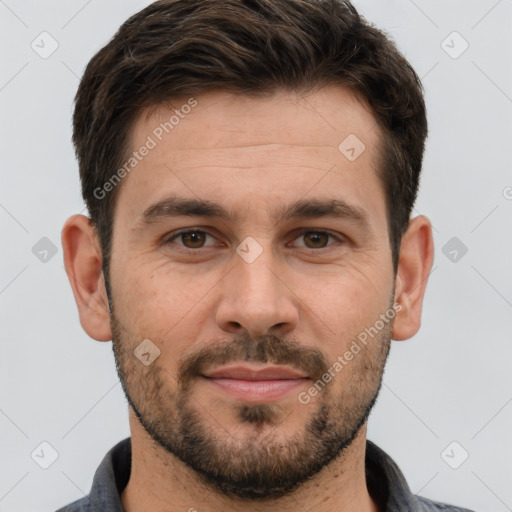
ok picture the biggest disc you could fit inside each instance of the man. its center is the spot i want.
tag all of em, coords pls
(249, 168)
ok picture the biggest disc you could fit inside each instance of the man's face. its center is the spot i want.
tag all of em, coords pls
(255, 289)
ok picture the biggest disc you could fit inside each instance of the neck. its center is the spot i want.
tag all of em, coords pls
(162, 483)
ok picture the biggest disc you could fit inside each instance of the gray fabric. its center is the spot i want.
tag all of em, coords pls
(385, 482)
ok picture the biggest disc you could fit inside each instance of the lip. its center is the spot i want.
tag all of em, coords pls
(242, 372)
(255, 385)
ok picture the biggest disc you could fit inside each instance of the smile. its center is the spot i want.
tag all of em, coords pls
(256, 385)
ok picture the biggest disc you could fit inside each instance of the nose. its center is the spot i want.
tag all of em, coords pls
(256, 300)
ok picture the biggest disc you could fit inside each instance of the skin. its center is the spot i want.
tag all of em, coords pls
(251, 155)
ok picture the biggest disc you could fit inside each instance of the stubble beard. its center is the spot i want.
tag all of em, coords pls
(261, 464)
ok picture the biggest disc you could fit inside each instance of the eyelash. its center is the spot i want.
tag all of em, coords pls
(303, 232)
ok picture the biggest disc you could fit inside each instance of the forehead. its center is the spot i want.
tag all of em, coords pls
(323, 118)
(252, 150)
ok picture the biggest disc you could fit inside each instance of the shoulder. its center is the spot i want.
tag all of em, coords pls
(109, 481)
(81, 505)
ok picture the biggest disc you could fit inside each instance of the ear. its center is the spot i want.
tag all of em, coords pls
(414, 265)
(82, 259)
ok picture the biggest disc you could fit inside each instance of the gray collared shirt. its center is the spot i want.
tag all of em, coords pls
(385, 481)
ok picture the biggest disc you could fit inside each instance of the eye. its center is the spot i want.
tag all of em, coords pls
(316, 239)
(191, 238)
(196, 239)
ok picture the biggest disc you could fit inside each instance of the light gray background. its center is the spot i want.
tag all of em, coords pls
(452, 382)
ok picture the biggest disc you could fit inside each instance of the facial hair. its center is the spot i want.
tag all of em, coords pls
(265, 465)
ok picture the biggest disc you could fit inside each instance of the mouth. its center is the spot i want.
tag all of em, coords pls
(253, 384)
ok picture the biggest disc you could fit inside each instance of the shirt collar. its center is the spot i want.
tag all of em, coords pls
(386, 483)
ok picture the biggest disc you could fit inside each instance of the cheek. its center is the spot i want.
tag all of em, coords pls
(166, 306)
(352, 300)
(157, 296)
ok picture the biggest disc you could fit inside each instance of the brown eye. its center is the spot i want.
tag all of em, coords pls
(316, 239)
(192, 239)
(195, 239)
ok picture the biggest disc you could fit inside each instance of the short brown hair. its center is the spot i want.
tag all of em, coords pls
(175, 48)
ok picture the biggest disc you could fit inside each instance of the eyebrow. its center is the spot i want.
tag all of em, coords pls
(174, 206)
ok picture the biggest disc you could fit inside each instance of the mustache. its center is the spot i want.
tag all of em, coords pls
(265, 349)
